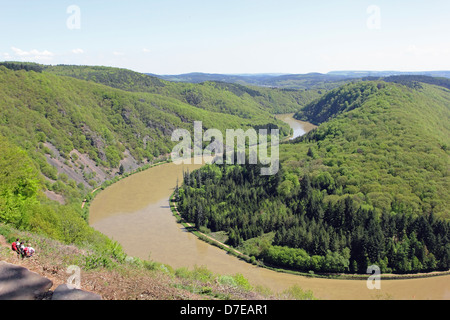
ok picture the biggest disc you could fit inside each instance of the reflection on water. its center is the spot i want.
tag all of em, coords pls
(136, 213)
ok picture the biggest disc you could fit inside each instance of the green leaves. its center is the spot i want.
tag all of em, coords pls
(350, 192)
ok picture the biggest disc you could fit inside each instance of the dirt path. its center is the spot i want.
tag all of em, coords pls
(85, 200)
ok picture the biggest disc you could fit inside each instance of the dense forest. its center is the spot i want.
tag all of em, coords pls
(368, 186)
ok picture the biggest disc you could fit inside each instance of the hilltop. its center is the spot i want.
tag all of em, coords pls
(211, 93)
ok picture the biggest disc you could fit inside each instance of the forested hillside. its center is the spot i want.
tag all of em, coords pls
(353, 95)
(79, 132)
(230, 98)
(61, 137)
(368, 186)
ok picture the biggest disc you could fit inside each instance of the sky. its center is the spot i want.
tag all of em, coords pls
(229, 36)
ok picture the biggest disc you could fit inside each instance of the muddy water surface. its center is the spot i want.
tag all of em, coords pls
(135, 212)
(299, 127)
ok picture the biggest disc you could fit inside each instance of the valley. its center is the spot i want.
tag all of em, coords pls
(363, 179)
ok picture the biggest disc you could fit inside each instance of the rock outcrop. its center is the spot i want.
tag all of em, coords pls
(19, 283)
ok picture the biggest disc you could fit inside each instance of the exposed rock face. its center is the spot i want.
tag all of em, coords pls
(18, 283)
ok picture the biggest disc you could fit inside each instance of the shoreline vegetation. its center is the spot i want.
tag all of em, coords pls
(91, 196)
(337, 276)
(230, 250)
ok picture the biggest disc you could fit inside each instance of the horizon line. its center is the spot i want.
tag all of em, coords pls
(236, 73)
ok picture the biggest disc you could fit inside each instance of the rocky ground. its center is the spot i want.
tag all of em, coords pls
(46, 273)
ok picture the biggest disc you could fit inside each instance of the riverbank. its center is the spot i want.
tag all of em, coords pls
(86, 202)
(298, 127)
(343, 276)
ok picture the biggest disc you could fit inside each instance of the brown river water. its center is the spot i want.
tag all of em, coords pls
(299, 127)
(135, 212)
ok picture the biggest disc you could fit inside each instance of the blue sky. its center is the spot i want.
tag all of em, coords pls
(246, 36)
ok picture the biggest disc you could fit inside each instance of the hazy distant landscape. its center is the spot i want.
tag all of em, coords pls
(295, 81)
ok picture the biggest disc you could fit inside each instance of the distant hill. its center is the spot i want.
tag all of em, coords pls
(198, 77)
(361, 74)
(317, 81)
(287, 81)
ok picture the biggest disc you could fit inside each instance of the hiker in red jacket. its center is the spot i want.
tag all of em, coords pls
(15, 246)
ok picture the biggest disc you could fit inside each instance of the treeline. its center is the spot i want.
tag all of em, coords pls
(413, 81)
(27, 66)
(343, 99)
(311, 234)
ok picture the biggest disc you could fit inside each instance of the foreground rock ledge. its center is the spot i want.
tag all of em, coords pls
(19, 283)
(63, 292)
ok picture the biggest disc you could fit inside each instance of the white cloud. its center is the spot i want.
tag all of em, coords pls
(33, 54)
(117, 53)
(78, 51)
(145, 50)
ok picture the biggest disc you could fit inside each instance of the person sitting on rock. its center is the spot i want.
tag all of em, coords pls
(22, 250)
(29, 251)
